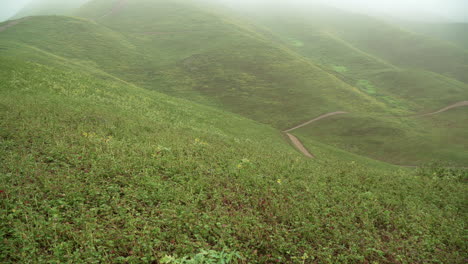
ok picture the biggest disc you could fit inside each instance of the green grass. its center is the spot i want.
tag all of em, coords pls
(398, 140)
(100, 171)
(100, 162)
(367, 87)
(219, 74)
(340, 69)
(341, 43)
(210, 62)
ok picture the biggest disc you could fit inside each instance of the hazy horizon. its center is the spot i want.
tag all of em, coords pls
(418, 10)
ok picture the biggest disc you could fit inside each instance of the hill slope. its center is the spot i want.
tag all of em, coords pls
(335, 40)
(220, 73)
(189, 51)
(98, 170)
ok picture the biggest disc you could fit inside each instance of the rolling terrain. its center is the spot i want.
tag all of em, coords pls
(156, 131)
(287, 85)
(334, 40)
(98, 170)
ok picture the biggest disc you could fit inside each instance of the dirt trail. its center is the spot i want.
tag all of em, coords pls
(456, 105)
(297, 143)
(315, 120)
(11, 23)
(116, 8)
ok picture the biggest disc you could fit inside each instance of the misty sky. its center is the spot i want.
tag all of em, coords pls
(444, 10)
(421, 10)
(9, 7)
(451, 10)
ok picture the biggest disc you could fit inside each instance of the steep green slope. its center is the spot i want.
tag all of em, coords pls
(95, 170)
(369, 35)
(279, 88)
(78, 40)
(408, 89)
(186, 50)
(403, 48)
(336, 42)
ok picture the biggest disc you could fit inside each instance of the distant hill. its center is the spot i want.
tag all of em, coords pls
(374, 37)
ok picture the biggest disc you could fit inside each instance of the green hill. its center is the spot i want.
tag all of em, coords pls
(189, 51)
(336, 40)
(219, 74)
(149, 132)
(94, 169)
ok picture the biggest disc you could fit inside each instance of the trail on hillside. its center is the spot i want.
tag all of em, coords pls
(298, 144)
(11, 23)
(316, 119)
(116, 8)
(456, 105)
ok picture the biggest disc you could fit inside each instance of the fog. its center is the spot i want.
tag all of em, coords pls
(417, 10)
(9, 8)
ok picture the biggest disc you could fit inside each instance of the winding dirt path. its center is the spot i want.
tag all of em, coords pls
(298, 144)
(456, 105)
(11, 23)
(315, 120)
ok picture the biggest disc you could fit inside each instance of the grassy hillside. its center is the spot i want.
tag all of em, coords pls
(220, 73)
(408, 89)
(189, 51)
(369, 35)
(336, 43)
(403, 140)
(94, 169)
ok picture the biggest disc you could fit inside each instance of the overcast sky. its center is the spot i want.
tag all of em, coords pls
(448, 10)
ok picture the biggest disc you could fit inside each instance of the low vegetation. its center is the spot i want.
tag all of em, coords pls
(129, 140)
(96, 170)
